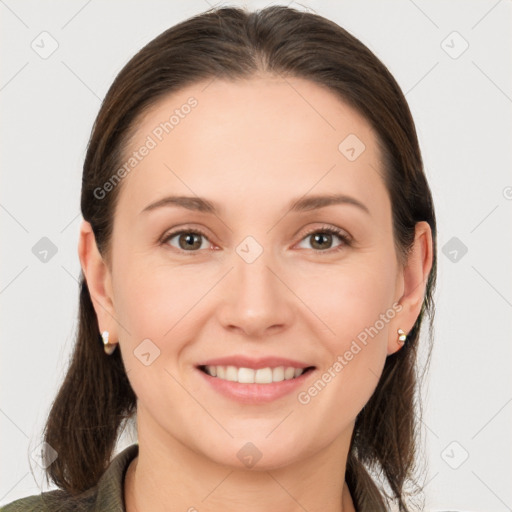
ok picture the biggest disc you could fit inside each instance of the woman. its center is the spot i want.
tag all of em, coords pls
(259, 239)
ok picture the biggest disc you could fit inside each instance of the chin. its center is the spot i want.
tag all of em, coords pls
(256, 452)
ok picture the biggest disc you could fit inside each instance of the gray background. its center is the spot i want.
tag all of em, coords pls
(461, 103)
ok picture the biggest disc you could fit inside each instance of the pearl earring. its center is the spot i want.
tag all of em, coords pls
(108, 347)
(401, 337)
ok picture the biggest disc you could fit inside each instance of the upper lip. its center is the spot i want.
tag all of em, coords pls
(241, 361)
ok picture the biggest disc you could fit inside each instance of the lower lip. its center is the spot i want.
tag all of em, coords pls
(255, 393)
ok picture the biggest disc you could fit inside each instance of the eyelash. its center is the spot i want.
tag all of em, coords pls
(345, 239)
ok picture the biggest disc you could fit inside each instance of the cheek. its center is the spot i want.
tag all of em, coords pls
(356, 307)
(354, 297)
(152, 300)
(156, 306)
(162, 309)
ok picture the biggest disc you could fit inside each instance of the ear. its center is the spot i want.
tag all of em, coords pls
(99, 281)
(413, 283)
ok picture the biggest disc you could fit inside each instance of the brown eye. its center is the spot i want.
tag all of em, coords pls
(189, 241)
(321, 240)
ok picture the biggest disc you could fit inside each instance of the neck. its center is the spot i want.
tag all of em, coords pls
(170, 474)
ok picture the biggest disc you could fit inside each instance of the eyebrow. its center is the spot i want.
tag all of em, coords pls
(302, 204)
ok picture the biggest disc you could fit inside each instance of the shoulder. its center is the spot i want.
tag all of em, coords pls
(106, 495)
(53, 501)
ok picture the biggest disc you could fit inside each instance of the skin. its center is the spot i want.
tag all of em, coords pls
(252, 147)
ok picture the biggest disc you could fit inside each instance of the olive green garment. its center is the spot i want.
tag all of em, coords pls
(106, 495)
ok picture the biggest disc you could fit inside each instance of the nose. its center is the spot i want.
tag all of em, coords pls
(256, 301)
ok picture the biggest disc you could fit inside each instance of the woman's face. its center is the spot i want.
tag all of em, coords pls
(265, 279)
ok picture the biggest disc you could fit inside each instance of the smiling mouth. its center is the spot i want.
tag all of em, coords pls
(243, 375)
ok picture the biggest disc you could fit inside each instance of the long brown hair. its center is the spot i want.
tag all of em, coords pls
(96, 397)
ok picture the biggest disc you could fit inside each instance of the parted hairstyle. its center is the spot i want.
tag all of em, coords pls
(96, 398)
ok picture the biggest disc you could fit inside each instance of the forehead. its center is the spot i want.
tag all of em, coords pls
(245, 139)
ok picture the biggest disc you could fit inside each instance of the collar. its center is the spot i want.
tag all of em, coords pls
(110, 495)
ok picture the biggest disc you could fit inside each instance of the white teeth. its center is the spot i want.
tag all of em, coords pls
(246, 375)
(262, 375)
(289, 373)
(231, 373)
(220, 371)
(249, 376)
(278, 374)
